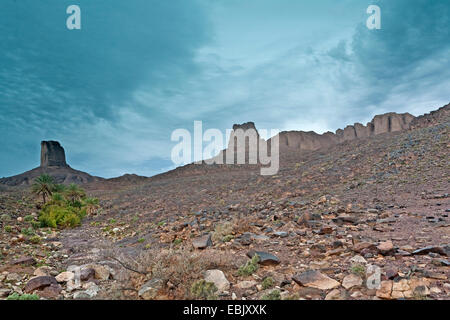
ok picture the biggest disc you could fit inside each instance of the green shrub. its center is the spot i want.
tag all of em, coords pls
(35, 239)
(177, 241)
(294, 296)
(250, 267)
(27, 231)
(267, 283)
(67, 207)
(16, 296)
(28, 218)
(227, 238)
(274, 295)
(8, 228)
(35, 224)
(55, 216)
(359, 270)
(204, 290)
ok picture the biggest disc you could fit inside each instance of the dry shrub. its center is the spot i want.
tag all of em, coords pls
(242, 224)
(221, 230)
(179, 268)
(238, 225)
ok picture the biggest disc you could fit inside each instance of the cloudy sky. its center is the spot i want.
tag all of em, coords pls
(113, 92)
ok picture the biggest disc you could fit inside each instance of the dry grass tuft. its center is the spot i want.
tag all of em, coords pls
(179, 268)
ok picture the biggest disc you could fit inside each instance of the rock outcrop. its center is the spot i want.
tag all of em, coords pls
(53, 163)
(389, 122)
(432, 118)
(310, 141)
(52, 154)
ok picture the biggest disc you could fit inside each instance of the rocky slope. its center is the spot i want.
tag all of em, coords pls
(329, 225)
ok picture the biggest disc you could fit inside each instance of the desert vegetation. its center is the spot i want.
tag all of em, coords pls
(63, 206)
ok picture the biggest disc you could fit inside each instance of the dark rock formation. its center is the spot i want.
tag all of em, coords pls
(52, 154)
(53, 163)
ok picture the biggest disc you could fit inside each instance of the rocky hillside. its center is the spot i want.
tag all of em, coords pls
(363, 219)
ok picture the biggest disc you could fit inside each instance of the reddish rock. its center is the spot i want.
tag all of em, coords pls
(315, 279)
(51, 292)
(386, 248)
(26, 261)
(39, 283)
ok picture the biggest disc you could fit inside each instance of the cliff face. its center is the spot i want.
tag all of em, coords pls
(52, 154)
(301, 140)
(389, 122)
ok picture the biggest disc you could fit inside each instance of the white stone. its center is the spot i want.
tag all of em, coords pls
(65, 276)
(218, 278)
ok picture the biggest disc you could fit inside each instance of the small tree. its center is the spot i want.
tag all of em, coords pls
(74, 193)
(43, 185)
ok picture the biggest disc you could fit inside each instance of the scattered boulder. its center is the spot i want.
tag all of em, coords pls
(385, 290)
(149, 291)
(87, 274)
(335, 294)
(386, 248)
(26, 261)
(358, 260)
(202, 242)
(343, 219)
(367, 246)
(218, 278)
(10, 277)
(265, 258)
(442, 250)
(65, 276)
(315, 279)
(91, 291)
(51, 292)
(401, 285)
(247, 284)
(352, 280)
(42, 271)
(4, 293)
(39, 283)
(281, 234)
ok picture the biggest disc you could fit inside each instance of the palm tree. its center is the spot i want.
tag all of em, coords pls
(59, 188)
(74, 193)
(43, 185)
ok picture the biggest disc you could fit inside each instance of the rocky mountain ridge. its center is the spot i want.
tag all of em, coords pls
(53, 163)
